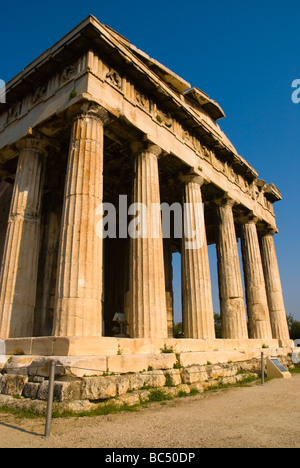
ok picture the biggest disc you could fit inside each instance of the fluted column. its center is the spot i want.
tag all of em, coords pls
(257, 304)
(197, 304)
(233, 314)
(147, 295)
(20, 257)
(78, 305)
(278, 317)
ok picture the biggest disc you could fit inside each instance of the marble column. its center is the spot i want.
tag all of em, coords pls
(278, 317)
(18, 277)
(257, 304)
(147, 292)
(78, 304)
(197, 304)
(232, 306)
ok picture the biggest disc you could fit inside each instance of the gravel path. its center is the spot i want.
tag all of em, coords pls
(244, 417)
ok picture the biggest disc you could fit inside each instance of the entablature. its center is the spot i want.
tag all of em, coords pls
(125, 83)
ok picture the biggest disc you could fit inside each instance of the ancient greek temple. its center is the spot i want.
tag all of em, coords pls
(89, 120)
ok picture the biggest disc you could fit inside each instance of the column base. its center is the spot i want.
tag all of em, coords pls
(106, 346)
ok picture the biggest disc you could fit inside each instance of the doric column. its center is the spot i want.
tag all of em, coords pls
(232, 306)
(147, 295)
(21, 251)
(197, 305)
(257, 305)
(278, 318)
(78, 305)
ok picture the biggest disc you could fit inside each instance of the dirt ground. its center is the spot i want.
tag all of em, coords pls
(247, 417)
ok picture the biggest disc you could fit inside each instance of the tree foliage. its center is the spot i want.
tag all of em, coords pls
(294, 327)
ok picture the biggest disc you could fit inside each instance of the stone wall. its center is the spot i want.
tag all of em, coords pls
(26, 387)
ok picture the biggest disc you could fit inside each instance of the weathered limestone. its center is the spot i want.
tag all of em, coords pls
(58, 276)
(197, 305)
(79, 279)
(147, 312)
(233, 315)
(273, 287)
(257, 305)
(12, 384)
(20, 257)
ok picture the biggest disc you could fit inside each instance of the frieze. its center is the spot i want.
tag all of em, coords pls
(164, 118)
(39, 94)
(104, 72)
(142, 100)
(113, 78)
(69, 72)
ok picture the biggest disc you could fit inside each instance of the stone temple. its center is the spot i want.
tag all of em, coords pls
(89, 120)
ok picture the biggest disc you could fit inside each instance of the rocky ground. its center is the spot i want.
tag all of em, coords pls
(253, 416)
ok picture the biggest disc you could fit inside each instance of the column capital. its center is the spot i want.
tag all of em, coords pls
(192, 177)
(88, 109)
(224, 201)
(268, 230)
(250, 218)
(33, 142)
(145, 146)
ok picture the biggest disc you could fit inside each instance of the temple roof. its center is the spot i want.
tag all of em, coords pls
(158, 80)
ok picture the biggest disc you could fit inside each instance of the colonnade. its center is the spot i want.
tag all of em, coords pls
(79, 283)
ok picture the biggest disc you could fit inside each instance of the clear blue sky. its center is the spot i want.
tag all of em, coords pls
(245, 55)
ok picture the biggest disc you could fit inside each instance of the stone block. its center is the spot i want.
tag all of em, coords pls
(18, 365)
(193, 374)
(197, 386)
(63, 391)
(229, 380)
(3, 360)
(129, 399)
(36, 406)
(136, 381)
(42, 346)
(161, 361)
(144, 395)
(5, 399)
(77, 406)
(85, 346)
(123, 364)
(174, 376)
(98, 388)
(155, 378)
(170, 392)
(2, 348)
(84, 366)
(18, 346)
(122, 384)
(40, 366)
(214, 372)
(13, 384)
(43, 391)
(30, 390)
(184, 388)
(67, 391)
